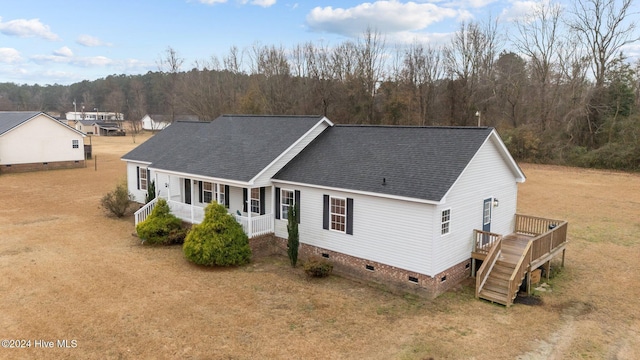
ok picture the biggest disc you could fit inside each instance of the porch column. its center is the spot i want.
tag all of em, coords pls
(169, 187)
(217, 190)
(192, 199)
(249, 225)
(273, 207)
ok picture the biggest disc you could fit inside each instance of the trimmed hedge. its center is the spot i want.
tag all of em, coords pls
(318, 267)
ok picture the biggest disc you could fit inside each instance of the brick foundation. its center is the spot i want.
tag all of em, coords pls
(19, 168)
(391, 277)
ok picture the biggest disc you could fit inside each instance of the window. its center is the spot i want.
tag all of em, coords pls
(207, 192)
(220, 194)
(286, 201)
(338, 214)
(142, 178)
(255, 200)
(445, 222)
(75, 144)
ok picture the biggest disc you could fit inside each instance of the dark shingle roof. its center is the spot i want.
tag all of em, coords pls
(416, 162)
(234, 147)
(11, 119)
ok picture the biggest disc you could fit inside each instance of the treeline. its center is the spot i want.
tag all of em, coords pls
(560, 90)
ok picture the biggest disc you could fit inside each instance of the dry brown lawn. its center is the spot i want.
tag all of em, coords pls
(69, 272)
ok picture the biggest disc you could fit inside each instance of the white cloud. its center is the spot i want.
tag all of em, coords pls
(90, 41)
(519, 10)
(384, 16)
(63, 51)
(10, 55)
(263, 3)
(27, 28)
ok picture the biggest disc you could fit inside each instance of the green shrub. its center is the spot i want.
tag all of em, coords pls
(219, 240)
(317, 267)
(151, 192)
(118, 201)
(160, 227)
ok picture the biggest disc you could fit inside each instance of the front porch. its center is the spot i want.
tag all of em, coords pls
(187, 198)
(508, 260)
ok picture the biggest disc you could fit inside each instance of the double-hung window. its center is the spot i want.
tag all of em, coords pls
(207, 192)
(142, 178)
(445, 222)
(75, 144)
(338, 214)
(286, 202)
(220, 195)
(255, 200)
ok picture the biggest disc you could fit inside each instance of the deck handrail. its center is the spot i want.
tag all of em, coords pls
(518, 273)
(487, 265)
(479, 236)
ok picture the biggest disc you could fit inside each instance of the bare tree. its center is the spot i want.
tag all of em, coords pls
(604, 27)
(169, 65)
(539, 40)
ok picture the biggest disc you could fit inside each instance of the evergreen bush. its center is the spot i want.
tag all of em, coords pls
(151, 192)
(293, 242)
(218, 240)
(160, 227)
(118, 201)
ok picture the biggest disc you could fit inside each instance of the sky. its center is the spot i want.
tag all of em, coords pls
(63, 42)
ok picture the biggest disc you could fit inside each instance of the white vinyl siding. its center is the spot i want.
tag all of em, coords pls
(486, 176)
(39, 140)
(388, 231)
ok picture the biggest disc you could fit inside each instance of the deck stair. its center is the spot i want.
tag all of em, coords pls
(496, 285)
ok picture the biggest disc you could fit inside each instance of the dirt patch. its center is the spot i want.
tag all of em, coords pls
(71, 273)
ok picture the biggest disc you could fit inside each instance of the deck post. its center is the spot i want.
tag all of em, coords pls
(473, 267)
(548, 264)
(529, 281)
(563, 250)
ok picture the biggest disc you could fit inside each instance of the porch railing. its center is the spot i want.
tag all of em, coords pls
(260, 224)
(186, 212)
(144, 211)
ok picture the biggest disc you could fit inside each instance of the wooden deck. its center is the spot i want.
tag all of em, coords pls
(508, 260)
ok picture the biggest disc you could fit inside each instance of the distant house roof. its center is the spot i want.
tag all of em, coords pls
(167, 118)
(12, 119)
(406, 161)
(234, 147)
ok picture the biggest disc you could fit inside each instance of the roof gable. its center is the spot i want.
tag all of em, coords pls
(9, 120)
(233, 147)
(412, 162)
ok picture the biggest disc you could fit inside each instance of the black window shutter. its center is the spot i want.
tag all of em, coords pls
(325, 213)
(262, 196)
(297, 204)
(138, 176)
(349, 216)
(244, 199)
(226, 196)
(148, 178)
(277, 203)
(201, 190)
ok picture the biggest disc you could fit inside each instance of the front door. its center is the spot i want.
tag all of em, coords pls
(486, 215)
(187, 191)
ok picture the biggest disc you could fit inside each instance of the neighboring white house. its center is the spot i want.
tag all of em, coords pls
(159, 122)
(95, 115)
(36, 141)
(97, 128)
(393, 204)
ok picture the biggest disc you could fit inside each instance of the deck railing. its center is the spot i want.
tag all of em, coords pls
(487, 264)
(518, 273)
(534, 226)
(484, 240)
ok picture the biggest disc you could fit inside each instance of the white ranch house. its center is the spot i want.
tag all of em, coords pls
(399, 205)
